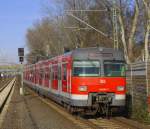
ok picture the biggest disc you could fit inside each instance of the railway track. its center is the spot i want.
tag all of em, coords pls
(4, 81)
(131, 123)
(5, 91)
(93, 123)
(109, 124)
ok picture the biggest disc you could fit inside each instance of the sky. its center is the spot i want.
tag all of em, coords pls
(16, 16)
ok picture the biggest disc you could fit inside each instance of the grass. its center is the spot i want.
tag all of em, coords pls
(141, 113)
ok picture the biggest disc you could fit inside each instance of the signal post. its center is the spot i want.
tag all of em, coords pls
(21, 60)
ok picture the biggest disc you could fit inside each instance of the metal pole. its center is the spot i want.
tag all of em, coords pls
(22, 87)
(115, 26)
(132, 84)
(147, 92)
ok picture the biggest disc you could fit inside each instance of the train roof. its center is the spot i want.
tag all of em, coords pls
(93, 53)
(97, 53)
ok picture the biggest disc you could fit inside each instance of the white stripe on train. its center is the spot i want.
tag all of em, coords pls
(73, 96)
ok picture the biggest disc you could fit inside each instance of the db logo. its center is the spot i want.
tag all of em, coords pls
(102, 81)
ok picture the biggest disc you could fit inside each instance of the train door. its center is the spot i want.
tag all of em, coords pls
(41, 78)
(69, 75)
(38, 75)
(64, 77)
(31, 74)
(55, 77)
(46, 77)
(35, 75)
(59, 79)
(50, 75)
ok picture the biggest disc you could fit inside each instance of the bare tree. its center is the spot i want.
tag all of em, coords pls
(90, 28)
(44, 39)
(128, 43)
(147, 28)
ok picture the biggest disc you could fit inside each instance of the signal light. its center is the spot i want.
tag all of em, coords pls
(21, 59)
(20, 51)
(21, 54)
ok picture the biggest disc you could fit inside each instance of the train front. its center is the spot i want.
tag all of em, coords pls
(98, 79)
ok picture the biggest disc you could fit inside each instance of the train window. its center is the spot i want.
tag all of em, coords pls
(112, 69)
(86, 68)
(59, 72)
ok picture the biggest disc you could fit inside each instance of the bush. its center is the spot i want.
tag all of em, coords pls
(141, 113)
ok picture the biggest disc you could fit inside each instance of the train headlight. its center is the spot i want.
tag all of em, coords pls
(82, 88)
(120, 88)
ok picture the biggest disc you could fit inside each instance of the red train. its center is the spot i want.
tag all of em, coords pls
(86, 79)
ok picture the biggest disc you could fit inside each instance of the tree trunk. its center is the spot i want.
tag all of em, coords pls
(123, 38)
(133, 30)
(146, 43)
(147, 7)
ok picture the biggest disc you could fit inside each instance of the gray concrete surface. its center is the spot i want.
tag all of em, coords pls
(29, 112)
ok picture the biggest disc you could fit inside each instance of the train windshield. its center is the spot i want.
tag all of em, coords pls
(86, 68)
(112, 69)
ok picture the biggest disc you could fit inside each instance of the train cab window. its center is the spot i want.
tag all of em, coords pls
(114, 69)
(86, 68)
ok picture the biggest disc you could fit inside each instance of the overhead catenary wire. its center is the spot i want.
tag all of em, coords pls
(82, 21)
(115, 24)
(87, 10)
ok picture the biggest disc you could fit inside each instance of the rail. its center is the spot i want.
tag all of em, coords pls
(5, 91)
(5, 85)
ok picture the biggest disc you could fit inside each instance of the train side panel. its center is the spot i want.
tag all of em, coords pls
(55, 78)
